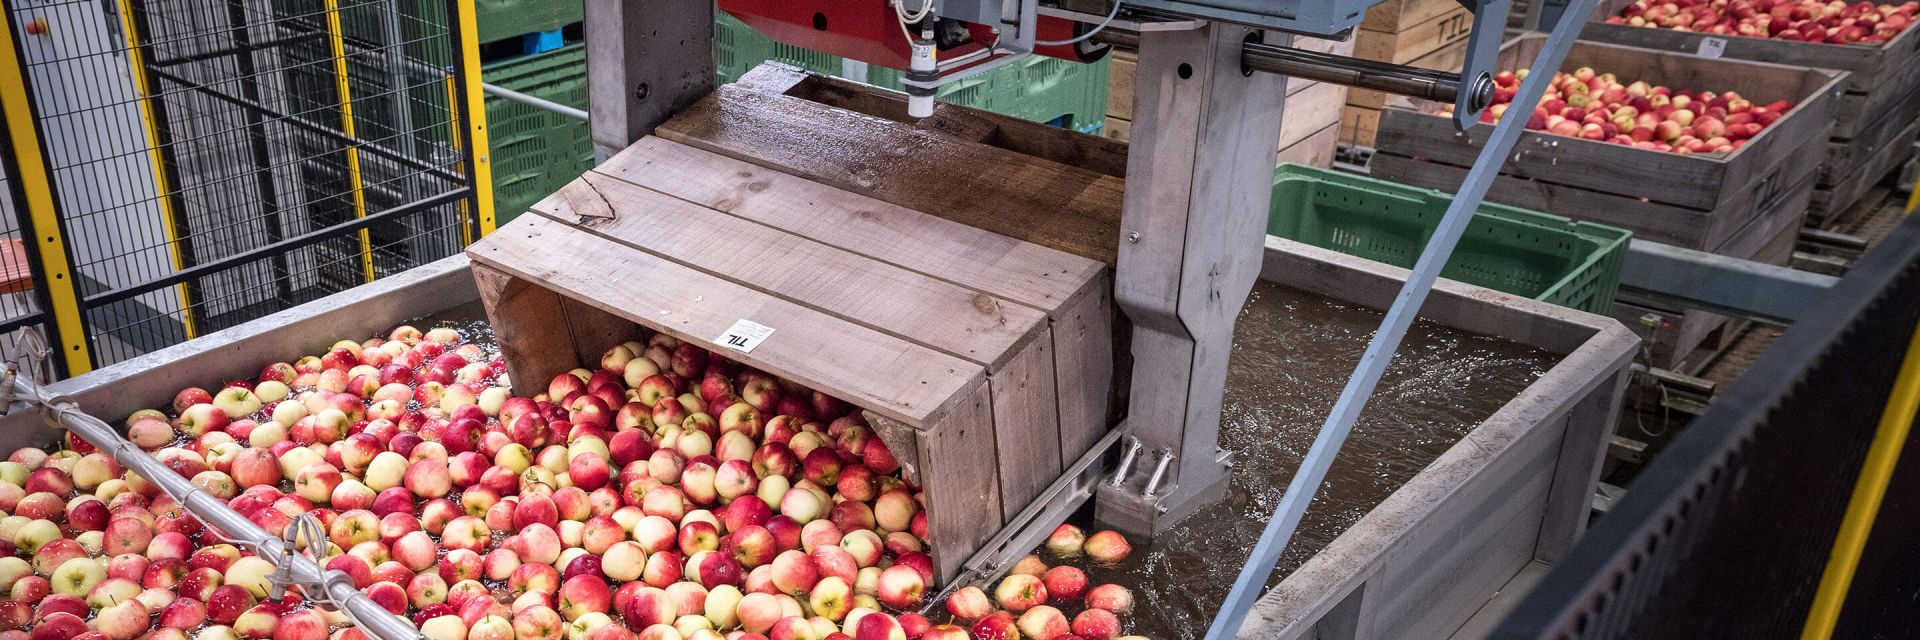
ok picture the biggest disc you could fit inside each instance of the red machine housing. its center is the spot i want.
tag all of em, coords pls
(869, 30)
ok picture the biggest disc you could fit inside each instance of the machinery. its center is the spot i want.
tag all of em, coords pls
(1209, 88)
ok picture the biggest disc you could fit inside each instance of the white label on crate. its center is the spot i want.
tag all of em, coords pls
(744, 335)
(1712, 47)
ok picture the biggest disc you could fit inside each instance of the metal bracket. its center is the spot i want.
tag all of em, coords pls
(1483, 50)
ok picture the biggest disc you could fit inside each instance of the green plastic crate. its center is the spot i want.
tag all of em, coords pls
(1041, 89)
(535, 151)
(1544, 257)
(1038, 88)
(737, 49)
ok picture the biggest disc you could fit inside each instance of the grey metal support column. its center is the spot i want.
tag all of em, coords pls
(645, 60)
(1199, 180)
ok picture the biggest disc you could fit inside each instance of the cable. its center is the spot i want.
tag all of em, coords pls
(900, 10)
(1084, 36)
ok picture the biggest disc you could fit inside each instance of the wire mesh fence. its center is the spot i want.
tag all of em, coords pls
(213, 161)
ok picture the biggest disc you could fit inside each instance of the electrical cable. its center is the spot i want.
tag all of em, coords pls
(1084, 36)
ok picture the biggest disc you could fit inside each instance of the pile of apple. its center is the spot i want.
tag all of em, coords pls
(1597, 106)
(666, 494)
(1031, 589)
(89, 551)
(1832, 22)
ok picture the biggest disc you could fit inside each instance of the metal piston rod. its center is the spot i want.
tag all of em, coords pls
(1440, 86)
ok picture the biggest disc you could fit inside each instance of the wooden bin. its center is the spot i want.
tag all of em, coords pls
(1740, 204)
(983, 362)
(1873, 119)
(1309, 131)
(1430, 34)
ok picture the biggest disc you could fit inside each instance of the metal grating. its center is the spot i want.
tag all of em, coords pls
(217, 160)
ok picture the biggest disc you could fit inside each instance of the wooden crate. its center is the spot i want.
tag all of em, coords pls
(1836, 194)
(1311, 108)
(1882, 92)
(984, 362)
(1430, 34)
(1696, 201)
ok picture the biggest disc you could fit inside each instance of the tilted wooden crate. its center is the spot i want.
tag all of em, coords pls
(984, 362)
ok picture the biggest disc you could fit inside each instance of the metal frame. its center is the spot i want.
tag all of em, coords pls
(33, 184)
(436, 181)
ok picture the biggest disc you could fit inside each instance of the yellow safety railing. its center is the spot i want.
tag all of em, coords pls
(475, 107)
(163, 189)
(340, 80)
(55, 273)
(1896, 420)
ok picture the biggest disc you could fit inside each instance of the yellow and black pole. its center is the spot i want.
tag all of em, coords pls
(469, 110)
(47, 242)
(156, 153)
(1896, 421)
(344, 93)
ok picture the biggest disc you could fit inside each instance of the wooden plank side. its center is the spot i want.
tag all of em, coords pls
(528, 324)
(1833, 200)
(962, 498)
(878, 372)
(1396, 15)
(1654, 221)
(1120, 75)
(1022, 272)
(955, 320)
(1315, 151)
(1416, 41)
(1046, 203)
(1083, 347)
(1308, 112)
(1360, 126)
(594, 331)
(1026, 426)
(1576, 470)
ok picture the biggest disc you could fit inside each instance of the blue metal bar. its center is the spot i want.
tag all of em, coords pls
(1406, 306)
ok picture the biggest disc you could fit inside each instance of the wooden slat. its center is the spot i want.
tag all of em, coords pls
(1397, 15)
(1025, 273)
(1360, 126)
(1844, 158)
(963, 509)
(538, 336)
(1118, 129)
(594, 331)
(1084, 341)
(1835, 199)
(875, 371)
(1046, 203)
(1315, 151)
(914, 307)
(1026, 426)
(1307, 112)
(1415, 41)
(1120, 84)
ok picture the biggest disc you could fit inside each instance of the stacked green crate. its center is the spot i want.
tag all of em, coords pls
(1041, 89)
(535, 151)
(1527, 253)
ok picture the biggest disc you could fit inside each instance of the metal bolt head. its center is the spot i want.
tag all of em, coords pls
(1133, 236)
(640, 92)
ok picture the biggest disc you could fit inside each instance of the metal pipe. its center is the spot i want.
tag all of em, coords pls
(543, 103)
(371, 617)
(1159, 473)
(1126, 461)
(1353, 72)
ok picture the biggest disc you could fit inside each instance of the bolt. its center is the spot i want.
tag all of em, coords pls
(640, 92)
(1133, 237)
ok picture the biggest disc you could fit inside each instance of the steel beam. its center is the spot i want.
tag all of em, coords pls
(645, 61)
(1698, 280)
